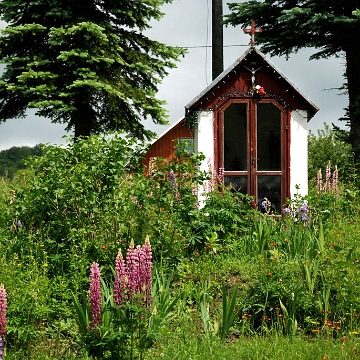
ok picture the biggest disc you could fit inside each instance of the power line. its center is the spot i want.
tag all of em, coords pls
(207, 46)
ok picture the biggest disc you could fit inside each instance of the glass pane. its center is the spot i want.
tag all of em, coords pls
(238, 183)
(268, 137)
(235, 138)
(269, 187)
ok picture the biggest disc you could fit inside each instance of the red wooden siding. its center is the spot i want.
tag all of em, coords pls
(165, 145)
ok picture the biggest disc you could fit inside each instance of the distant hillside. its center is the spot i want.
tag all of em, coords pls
(11, 159)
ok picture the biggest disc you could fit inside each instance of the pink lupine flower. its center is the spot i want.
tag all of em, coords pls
(95, 296)
(327, 177)
(151, 166)
(132, 269)
(335, 181)
(133, 276)
(3, 306)
(146, 267)
(193, 189)
(210, 183)
(221, 175)
(120, 280)
(319, 182)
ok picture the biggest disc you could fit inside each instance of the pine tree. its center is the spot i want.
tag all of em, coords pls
(84, 64)
(330, 26)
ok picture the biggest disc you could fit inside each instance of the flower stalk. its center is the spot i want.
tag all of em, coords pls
(95, 296)
(3, 306)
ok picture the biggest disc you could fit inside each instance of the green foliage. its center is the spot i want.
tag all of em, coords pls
(93, 70)
(228, 312)
(286, 25)
(222, 269)
(12, 160)
(88, 198)
(325, 147)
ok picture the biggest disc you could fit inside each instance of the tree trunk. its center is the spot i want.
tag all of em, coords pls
(353, 80)
(83, 120)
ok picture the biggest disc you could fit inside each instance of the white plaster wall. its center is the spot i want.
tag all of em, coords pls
(298, 153)
(204, 143)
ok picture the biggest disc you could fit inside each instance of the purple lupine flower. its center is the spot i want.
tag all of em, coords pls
(335, 181)
(319, 182)
(3, 306)
(304, 209)
(1, 348)
(120, 280)
(327, 177)
(95, 296)
(172, 181)
(287, 211)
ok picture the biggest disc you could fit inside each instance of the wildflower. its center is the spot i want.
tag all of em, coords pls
(145, 270)
(120, 280)
(193, 189)
(1, 348)
(287, 211)
(302, 212)
(172, 181)
(210, 183)
(327, 177)
(95, 296)
(132, 269)
(319, 181)
(221, 175)
(3, 306)
(151, 167)
(335, 181)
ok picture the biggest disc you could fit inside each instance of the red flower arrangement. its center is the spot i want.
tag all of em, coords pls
(260, 90)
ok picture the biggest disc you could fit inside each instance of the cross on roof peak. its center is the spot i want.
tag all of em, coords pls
(252, 30)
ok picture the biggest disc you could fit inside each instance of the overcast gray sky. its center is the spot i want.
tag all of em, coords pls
(187, 23)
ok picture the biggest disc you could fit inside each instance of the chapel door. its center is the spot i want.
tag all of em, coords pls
(252, 135)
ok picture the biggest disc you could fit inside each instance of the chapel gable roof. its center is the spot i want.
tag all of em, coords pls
(235, 81)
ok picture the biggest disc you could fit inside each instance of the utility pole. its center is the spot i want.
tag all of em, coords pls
(217, 38)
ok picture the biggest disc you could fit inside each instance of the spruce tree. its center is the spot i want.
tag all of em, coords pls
(88, 65)
(332, 27)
